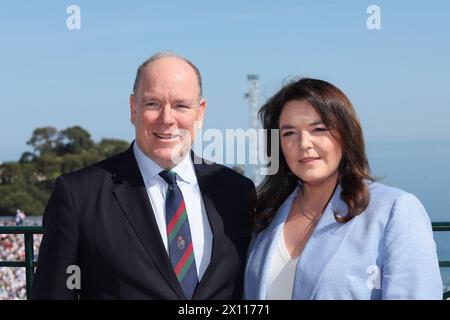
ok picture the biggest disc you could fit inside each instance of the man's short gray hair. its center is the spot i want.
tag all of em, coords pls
(161, 55)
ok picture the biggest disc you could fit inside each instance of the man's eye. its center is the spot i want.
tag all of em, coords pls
(289, 133)
(181, 107)
(151, 104)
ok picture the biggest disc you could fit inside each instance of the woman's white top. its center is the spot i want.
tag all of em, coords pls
(281, 273)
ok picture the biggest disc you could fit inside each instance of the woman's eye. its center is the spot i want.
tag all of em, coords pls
(320, 129)
(289, 133)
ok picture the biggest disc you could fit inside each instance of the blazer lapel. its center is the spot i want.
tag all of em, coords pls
(132, 197)
(320, 248)
(207, 187)
(265, 244)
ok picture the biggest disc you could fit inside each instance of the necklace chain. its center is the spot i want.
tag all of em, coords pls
(302, 211)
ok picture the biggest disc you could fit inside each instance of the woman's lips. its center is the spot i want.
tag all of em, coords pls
(309, 160)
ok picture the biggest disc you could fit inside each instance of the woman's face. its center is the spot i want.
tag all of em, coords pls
(311, 152)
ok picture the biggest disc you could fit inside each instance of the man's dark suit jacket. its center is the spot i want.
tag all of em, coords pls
(100, 219)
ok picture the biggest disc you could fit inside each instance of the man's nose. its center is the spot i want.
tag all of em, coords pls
(305, 140)
(166, 114)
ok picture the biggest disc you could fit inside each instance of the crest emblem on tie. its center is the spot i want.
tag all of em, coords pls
(181, 243)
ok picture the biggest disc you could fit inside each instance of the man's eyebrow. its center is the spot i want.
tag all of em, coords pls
(148, 97)
(183, 100)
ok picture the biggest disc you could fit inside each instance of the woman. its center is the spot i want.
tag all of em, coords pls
(323, 228)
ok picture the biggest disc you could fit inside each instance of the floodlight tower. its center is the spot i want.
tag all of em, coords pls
(253, 96)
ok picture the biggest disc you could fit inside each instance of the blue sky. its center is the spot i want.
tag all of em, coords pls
(398, 77)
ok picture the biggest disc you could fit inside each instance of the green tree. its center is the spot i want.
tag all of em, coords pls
(27, 157)
(47, 167)
(43, 140)
(74, 140)
(28, 183)
(10, 172)
(109, 147)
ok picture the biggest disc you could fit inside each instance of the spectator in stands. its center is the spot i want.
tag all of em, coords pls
(20, 217)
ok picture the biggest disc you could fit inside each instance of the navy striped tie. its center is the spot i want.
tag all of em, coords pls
(181, 251)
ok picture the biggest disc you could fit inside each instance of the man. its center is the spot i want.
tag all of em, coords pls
(154, 222)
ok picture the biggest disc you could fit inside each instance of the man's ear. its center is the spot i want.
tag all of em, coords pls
(133, 108)
(201, 113)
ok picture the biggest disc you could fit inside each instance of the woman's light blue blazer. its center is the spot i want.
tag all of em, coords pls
(387, 252)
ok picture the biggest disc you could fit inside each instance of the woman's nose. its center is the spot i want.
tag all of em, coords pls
(305, 140)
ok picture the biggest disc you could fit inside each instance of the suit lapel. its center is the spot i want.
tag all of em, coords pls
(321, 248)
(207, 187)
(132, 197)
(256, 281)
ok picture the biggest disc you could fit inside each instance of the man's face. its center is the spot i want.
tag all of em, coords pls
(166, 109)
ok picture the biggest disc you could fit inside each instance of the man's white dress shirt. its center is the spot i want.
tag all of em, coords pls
(201, 233)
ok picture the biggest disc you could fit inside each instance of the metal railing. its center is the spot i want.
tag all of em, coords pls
(30, 263)
(439, 227)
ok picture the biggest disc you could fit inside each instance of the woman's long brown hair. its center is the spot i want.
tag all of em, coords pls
(338, 115)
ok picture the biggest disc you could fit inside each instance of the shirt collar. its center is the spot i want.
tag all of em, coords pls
(150, 169)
